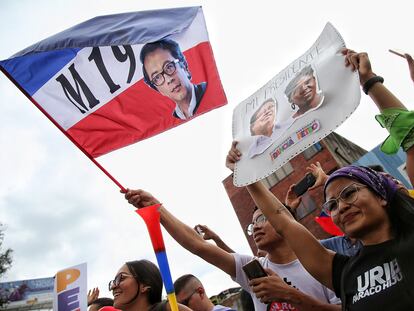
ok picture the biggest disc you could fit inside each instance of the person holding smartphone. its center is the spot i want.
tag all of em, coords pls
(340, 244)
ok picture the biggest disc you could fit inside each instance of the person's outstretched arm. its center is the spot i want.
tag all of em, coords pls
(185, 235)
(314, 257)
(208, 234)
(381, 96)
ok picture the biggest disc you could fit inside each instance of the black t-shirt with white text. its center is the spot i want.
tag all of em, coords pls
(373, 279)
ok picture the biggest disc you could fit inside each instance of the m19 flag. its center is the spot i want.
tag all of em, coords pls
(117, 79)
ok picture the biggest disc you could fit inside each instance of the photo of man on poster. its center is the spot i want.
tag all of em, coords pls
(264, 128)
(166, 70)
(303, 92)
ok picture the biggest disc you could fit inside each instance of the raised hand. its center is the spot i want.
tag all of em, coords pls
(140, 198)
(233, 156)
(291, 199)
(207, 233)
(360, 62)
(93, 294)
(319, 173)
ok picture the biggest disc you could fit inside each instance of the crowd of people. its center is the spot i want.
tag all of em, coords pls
(367, 268)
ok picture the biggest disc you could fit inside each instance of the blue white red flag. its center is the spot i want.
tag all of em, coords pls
(326, 223)
(88, 80)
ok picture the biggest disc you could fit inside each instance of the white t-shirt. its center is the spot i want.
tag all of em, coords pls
(292, 273)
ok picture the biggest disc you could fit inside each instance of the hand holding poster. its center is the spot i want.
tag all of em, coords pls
(301, 105)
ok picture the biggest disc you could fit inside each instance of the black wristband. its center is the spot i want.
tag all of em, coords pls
(370, 83)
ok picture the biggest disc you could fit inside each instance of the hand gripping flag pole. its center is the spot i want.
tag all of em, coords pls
(151, 216)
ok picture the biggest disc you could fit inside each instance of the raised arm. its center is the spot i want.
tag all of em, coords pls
(208, 234)
(185, 235)
(388, 104)
(381, 96)
(313, 256)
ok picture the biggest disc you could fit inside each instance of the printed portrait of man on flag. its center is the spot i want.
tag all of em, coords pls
(117, 79)
(166, 70)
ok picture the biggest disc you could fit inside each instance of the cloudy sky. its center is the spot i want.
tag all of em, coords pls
(60, 210)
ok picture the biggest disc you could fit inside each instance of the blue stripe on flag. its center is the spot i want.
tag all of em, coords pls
(165, 271)
(43, 66)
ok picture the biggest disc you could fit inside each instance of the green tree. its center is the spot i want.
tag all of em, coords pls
(5, 255)
(5, 261)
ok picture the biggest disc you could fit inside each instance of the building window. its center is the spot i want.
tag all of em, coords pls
(277, 176)
(312, 150)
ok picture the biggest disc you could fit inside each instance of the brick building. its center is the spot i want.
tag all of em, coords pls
(332, 152)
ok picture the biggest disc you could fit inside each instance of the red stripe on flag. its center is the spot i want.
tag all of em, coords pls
(140, 112)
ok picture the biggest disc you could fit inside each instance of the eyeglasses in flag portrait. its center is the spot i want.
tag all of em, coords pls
(118, 79)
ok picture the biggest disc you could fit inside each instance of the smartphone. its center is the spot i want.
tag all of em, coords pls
(254, 270)
(302, 186)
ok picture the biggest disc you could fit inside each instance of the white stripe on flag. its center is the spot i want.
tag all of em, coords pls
(53, 99)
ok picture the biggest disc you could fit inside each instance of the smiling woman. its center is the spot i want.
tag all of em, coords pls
(136, 286)
(368, 206)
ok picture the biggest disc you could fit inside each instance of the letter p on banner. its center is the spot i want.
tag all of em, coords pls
(70, 290)
(66, 277)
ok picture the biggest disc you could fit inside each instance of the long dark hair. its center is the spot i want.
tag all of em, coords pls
(147, 273)
(401, 213)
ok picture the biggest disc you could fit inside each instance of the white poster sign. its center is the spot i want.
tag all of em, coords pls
(301, 105)
(70, 291)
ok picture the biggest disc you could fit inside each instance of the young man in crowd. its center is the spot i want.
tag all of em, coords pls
(288, 287)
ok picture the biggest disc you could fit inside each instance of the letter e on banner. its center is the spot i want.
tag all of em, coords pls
(69, 300)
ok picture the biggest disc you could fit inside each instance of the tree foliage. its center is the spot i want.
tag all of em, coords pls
(5, 261)
(5, 255)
